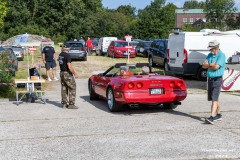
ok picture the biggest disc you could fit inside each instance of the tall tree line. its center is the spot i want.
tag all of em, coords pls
(69, 19)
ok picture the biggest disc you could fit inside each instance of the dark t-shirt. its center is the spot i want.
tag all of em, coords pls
(49, 52)
(64, 58)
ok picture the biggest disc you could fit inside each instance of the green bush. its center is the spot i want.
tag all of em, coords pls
(58, 38)
(5, 77)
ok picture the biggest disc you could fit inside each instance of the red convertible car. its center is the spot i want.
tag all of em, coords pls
(134, 88)
(120, 49)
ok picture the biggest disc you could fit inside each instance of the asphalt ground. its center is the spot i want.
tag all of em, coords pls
(46, 131)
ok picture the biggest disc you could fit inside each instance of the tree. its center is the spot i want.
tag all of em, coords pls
(217, 10)
(193, 4)
(233, 21)
(156, 20)
(127, 10)
(3, 12)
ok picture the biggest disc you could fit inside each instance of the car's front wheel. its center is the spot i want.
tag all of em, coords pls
(150, 60)
(92, 94)
(85, 59)
(169, 105)
(113, 106)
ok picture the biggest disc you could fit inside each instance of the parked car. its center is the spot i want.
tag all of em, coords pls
(19, 52)
(103, 45)
(77, 50)
(120, 49)
(158, 53)
(8, 60)
(94, 45)
(142, 48)
(134, 89)
(134, 44)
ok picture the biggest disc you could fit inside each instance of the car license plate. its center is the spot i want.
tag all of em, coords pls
(125, 53)
(74, 51)
(156, 91)
(172, 60)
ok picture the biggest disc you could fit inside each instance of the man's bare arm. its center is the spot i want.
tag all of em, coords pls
(72, 70)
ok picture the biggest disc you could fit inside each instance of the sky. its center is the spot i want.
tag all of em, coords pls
(141, 4)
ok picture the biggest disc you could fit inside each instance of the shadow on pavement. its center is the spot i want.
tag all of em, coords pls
(143, 109)
(55, 103)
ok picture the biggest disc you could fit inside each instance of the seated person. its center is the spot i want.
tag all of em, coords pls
(123, 70)
(145, 70)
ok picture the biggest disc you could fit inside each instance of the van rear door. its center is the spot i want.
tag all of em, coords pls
(176, 50)
(106, 42)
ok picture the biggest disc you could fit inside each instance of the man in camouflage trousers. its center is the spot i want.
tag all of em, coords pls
(68, 84)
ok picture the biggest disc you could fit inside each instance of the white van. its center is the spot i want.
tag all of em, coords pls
(188, 50)
(103, 44)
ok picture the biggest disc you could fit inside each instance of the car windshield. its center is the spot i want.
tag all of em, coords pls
(95, 42)
(131, 68)
(16, 48)
(134, 43)
(74, 45)
(147, 44)
(121, 44)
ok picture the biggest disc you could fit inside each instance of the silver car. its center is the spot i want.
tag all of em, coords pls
(19, 52)
(77, 50)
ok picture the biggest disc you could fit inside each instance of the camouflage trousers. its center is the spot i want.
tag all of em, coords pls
(68, 89)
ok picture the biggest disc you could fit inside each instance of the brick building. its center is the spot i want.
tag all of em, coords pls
(190, 16)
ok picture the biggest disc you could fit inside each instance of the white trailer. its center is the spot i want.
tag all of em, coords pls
(188, 50)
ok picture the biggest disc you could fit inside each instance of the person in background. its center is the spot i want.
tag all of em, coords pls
(68, 84)
(82, 41)
(49, 59)
(145, 70)
(215, 65)
(89, 46)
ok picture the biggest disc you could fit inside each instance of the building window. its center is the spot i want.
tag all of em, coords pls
(185, 20)
(191, 20)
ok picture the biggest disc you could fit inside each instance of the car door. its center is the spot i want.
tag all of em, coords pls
(162, 52)
(155, 52)
(103, 81)
(137, 49)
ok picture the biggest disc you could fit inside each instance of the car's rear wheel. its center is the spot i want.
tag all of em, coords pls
(92, 94)
(165, 66)
(101, 51)
(169, 105)
(202, 74)
(150, 60)
(107, 54)
(22, 59)
(113, 106)
(145, 54)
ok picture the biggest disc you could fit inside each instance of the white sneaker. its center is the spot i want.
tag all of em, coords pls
(49, 79)
(55, 79)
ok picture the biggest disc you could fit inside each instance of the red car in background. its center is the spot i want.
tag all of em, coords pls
(120, 49)
(94, 44)
(134, 89)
